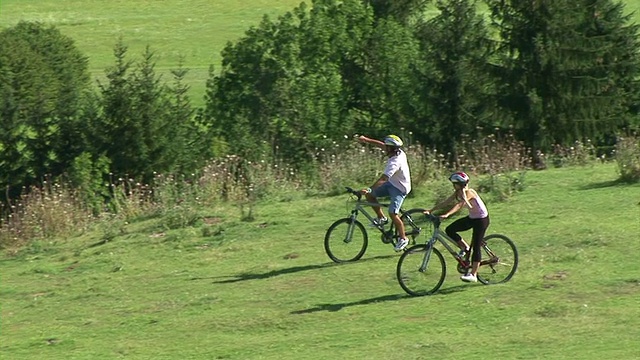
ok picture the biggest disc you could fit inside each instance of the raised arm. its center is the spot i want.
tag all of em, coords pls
(365, 140)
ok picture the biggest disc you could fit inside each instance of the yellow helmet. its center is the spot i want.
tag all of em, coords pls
(393, 140)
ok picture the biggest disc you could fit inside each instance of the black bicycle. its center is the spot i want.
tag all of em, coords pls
(347, 239)
(421, 269)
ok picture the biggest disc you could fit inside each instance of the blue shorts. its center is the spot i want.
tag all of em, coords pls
(396, 197)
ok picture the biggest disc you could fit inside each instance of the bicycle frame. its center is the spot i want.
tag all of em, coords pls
(444, 239)
(360, 207)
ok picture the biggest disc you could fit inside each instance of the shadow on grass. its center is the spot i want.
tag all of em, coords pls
(394, 297)
(291, 270)
(605, 184)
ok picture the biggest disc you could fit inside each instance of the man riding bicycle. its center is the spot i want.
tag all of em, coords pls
(395, 182)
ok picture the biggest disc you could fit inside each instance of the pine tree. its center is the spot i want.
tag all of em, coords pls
(456, 89)
(569, 68)
(43, 81)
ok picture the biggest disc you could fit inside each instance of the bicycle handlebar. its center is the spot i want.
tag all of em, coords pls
(434, 219)
(354, 192)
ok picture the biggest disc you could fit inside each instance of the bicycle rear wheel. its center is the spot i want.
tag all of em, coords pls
(346, 240)
(499, 260)
(416, 224)
(417, 282)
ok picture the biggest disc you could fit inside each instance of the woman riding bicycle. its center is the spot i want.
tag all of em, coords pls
(395, 183)
(478, 220)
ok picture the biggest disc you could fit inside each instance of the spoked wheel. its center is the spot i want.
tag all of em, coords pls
(417, 224)
(416, 279)
(345, 240)
(499, 260)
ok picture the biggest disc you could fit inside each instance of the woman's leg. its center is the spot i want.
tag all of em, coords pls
(479, 229)
(457, 226)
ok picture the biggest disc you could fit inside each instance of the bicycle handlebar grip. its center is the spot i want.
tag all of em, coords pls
(435, 219)
(354, 192)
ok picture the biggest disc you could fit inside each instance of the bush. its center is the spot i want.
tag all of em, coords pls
(502, 186)
(627, 154)
(502, 161)
(580, 154)
(45, 212)
(352, 165)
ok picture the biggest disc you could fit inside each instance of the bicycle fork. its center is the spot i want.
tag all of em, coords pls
(352, 225)
(425, 260)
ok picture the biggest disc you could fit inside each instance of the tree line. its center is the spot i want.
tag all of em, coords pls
(549, 71)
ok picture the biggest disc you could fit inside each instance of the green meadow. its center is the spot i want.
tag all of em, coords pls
(233, 288)
(194, 30)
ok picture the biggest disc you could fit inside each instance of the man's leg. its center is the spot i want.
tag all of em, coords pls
(380, 191)
(396, 198)
(376, 209)
(399, 225)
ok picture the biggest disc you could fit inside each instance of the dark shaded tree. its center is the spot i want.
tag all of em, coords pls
(402, 11)
(387, 92)
(191, 144)
(44, 80)
(569, 69)
(146, 126)
(286, 88)
(456, 88)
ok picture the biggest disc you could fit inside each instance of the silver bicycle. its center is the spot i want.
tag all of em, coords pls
(347, 239)
(421, 269)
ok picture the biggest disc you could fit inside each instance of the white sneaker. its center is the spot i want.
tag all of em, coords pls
(469, 278)
(402, 243)
(379, 221)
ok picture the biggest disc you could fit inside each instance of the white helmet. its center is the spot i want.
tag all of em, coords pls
(459, 178)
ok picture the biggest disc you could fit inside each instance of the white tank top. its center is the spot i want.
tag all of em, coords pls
(478, 209)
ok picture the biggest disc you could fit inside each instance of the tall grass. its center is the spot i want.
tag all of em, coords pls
(55, 209)
(52, 210)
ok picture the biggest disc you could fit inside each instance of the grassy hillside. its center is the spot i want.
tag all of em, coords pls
(195, 29)
(264, 289)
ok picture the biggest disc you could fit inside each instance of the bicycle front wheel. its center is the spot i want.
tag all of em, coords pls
(499, 260)
(416, 223)
(415, 276)
(346, 240)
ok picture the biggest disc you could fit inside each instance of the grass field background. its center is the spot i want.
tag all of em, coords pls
(265, 289)
(194, 29)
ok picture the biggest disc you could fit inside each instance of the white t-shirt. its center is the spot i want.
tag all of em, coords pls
(397, 170)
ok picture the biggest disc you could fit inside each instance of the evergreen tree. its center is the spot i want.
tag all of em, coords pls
(144, 123)
(44, 80)
(402, 11)
(569, 68)
(116, 135)
(615, 41)
(456, 89)
(152, 130)
(190, 142)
